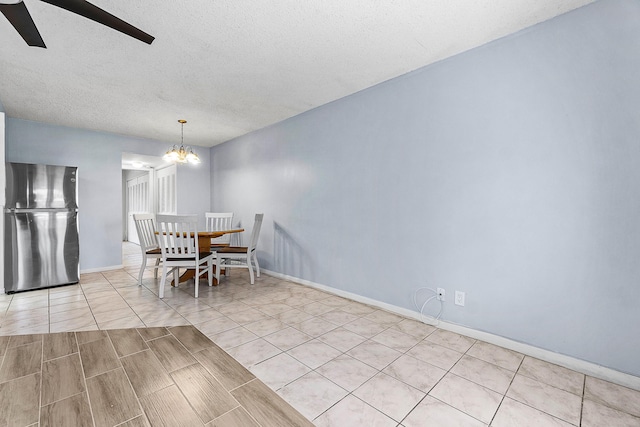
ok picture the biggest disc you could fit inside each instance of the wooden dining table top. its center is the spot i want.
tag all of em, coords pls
(204, 237)
(211, 234)
(214, 234)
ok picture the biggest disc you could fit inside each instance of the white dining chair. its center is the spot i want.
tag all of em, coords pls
(177, 237)
(240, 256)
(146, 229)
(218, 221)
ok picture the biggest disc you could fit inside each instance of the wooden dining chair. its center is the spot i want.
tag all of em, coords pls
(240, 256)
(217, 221)
(146, 229)
(177, 237)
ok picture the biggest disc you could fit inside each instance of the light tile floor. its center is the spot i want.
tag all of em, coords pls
(339, 362)
(129, 377)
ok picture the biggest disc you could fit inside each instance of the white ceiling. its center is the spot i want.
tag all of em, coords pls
(233, 66)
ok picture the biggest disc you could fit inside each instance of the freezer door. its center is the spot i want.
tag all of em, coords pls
(31, 186)
(41, 249)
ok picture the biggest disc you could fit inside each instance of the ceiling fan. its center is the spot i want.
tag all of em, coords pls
(18, 15)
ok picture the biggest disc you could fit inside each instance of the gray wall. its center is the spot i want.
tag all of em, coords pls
(98, 156)
(509, 172)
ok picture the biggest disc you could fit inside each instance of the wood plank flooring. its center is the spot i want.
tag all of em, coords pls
(171, 376)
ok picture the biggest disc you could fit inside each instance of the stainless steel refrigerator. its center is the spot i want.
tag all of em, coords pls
(41, 227)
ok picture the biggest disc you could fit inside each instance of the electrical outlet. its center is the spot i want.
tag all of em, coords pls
(440, 294)
(459, 298)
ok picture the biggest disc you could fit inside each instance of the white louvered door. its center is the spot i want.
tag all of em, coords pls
(166, 191)
(138, 201)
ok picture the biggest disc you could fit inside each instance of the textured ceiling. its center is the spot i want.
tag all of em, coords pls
(233, 66)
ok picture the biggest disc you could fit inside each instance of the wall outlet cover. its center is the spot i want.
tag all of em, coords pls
(459, 298)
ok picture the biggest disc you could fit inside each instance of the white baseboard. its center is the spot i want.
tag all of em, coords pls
(98, 270)
(573, 363)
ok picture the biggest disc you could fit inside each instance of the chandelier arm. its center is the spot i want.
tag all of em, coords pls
(181, 154)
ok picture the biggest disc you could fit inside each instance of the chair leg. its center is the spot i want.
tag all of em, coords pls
(210, 271)
(155, 270)
(142, 267)
(255, 260)
(196, 280)
(218, 265)
(176, 276)
(162, 281)
(250, 267)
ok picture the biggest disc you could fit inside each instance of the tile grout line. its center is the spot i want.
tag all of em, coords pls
(92, 315)
(41, 377)
(48, 315)
(197, 362)
(504, 396)
(441, 378)
(379, 371)
(584, 388)
(84, 378)
(338, 326)
(143, 413)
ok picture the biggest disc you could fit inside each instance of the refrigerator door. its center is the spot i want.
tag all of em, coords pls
(41, 249)
(32, 186)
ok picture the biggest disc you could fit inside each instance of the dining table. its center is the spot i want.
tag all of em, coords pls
(204, 245)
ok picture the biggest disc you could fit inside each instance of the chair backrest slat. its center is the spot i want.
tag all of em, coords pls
(178, 235)
(217, 221)
(255, 233)
(146, 228)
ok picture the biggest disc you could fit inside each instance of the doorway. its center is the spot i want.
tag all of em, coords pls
(138, 201)
(148, 186)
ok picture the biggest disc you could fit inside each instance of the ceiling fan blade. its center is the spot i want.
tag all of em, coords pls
(20, 18)
(90, 11)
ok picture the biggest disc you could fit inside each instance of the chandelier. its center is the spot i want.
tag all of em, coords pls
(181, 154)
